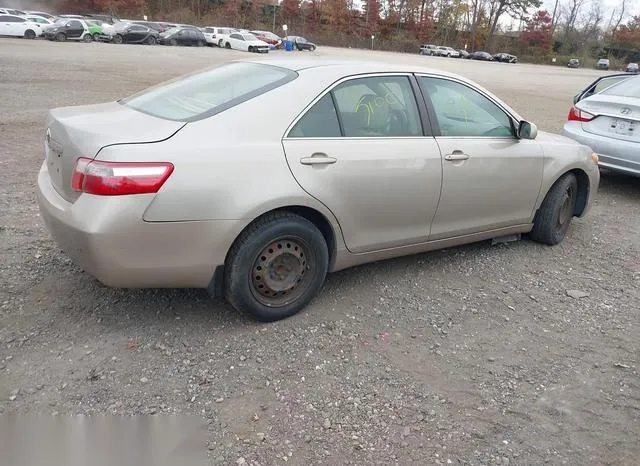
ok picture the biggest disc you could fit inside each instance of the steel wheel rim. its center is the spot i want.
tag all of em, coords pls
(280, 273)
(565, 213)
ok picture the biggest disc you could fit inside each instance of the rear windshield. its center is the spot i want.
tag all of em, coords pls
(206, 93)
(630, 87)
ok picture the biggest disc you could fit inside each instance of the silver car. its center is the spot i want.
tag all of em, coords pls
(609, 123)
(257, 178)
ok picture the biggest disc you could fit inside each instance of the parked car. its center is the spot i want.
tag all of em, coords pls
(599, 85)
(42, 21)
(159, 27)
(245, 42)
(18, 26)
(270, 38)
(463, 53)
(573, 63)
(40, 13)
(301, 43)
(443, 51)
(609, 123)
(183, 36)
(68, 29)
(136, 205)
(11, 11)
(428, 49)
(129, 33)
(215, 35)
(100, 30)
(505, 58)
(632, 68)
(603, 64)
(480, 55)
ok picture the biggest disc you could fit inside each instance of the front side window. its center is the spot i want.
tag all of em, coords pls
(76, 24)
(382, 106)
(463, 111)
(205, 93)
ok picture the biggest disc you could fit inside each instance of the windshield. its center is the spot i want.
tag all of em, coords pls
(206, 93)
(627, 88)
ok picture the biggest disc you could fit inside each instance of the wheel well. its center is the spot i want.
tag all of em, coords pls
(315, 217)
(583, 191)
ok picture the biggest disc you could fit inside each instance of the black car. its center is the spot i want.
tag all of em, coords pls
(183, 36)
(129, 33)
(301, 43)
(463, 53)
(68, 29)
(574, 63)
(153, 25)
(505, 58)
(480, 55)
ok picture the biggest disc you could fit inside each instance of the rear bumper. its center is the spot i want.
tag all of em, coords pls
(107, 237)
(614, 154)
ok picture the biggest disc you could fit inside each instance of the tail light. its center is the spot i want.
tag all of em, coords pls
(575, 114)
(119, 178)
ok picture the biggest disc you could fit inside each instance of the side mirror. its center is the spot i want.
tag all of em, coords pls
(527, 130)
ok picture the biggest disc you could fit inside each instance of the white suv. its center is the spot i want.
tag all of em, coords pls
(17, 26)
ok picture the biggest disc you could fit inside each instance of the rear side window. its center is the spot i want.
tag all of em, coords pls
(206, 93)
(629, 87)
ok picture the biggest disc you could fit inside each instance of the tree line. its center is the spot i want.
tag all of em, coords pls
(581, 28)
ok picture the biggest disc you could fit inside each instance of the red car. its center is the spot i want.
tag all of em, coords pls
(268, 37)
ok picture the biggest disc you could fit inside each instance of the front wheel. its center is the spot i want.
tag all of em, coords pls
(250, 49)
(199, 44)
(61, 37)
(152, 40)
(87, 37)
(276, 267)
(552, 220)
(313, 48)
(227, 45)
(117, 39)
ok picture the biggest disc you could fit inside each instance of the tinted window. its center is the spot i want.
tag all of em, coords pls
(383, 106)
(462, 111)
(236, 36)
(320, 121)
(210, 30)
(206, 93)
(13, 19)
(76, 24)
(138, 28)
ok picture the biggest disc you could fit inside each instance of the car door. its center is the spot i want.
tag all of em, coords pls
(137, 33)
(490, 178)
(237, 41)
(365, 150)
(75, 29)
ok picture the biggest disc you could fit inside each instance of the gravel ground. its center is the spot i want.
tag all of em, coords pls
(474, 355)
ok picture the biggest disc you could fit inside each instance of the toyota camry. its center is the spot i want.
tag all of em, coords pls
(188, 184)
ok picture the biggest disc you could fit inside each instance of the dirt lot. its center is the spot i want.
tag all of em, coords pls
(473, 355)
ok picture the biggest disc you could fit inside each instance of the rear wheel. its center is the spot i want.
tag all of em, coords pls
(313, 47)
(552, 220)
(61, 37)
(227, 45)
(199, 43)
(250, 49)
(29, 34)
(87, 37)
(117, 39)
(152, 40)
(276, 267)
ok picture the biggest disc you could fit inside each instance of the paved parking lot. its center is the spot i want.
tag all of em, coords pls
(472, 355)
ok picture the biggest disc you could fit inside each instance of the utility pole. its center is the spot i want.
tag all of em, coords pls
(553, 18)
(275, 4)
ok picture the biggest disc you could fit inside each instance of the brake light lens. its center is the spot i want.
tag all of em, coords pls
(119, 178)
(575, 114)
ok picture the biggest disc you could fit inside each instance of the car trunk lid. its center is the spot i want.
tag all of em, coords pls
(82, 131)
(615, 117)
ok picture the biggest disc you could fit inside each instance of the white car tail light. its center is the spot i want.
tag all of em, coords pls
(119, 178)
(575, 114)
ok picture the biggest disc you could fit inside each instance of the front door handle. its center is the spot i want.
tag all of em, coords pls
(318, 159)
(456, 155)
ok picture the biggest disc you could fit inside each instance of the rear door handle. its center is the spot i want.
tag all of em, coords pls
(456, 155)
(318, 159)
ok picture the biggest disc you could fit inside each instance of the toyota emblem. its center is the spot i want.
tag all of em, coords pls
(625, 111)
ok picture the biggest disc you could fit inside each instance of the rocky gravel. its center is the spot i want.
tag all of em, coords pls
(501, 354)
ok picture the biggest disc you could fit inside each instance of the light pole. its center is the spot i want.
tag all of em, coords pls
(372, 37)
(275, 5)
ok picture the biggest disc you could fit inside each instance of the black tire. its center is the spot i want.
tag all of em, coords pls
(96, 37)
(29, 34)
(220, 43)
(173, 42)
(200, 43)
(227, 45)
(61, 37)
(152, 40)
(552, 220)
(281, 240)
(117, 39)
(87, 37)
(250, 49)
(313, 48)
